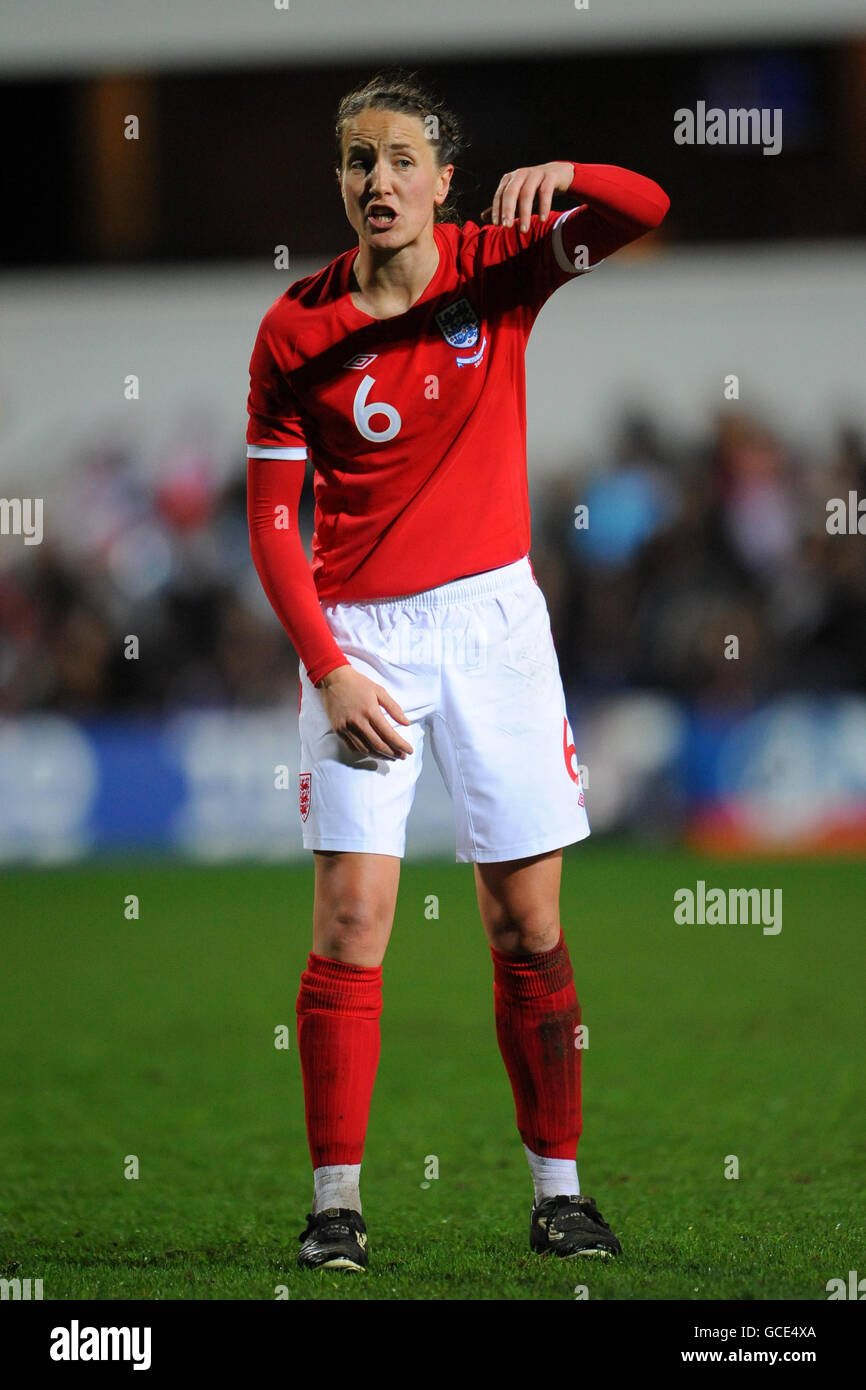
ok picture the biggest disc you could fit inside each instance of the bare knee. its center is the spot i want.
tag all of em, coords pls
(353, 930)
(525, 934)
(354, 907)
(519, 903)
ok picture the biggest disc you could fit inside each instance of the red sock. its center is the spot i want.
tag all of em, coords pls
(338, 1012)
(537, 1012)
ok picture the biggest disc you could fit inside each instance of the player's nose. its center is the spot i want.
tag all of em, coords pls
(380, 177)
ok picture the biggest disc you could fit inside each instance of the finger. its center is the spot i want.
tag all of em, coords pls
(390, 704)
(369, 743)
(393, 740)
(509, 196)
(545, 195)
(497, 198)
(349, 741)
(496, 205)
(528, 191)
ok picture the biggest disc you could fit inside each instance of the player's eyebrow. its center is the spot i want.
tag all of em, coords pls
(362, 145)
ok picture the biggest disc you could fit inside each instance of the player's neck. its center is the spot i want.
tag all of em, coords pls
(387, 283)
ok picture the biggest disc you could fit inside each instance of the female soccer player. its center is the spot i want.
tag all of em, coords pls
(399, 368)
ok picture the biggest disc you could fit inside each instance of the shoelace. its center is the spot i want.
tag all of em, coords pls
(312, 1226)
(587, 1208)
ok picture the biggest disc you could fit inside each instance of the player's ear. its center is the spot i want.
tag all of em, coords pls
(443, 184)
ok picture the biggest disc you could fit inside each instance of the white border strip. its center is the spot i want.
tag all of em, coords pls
(559, 250)
(278, 451)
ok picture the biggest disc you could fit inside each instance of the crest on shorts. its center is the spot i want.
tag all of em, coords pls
(459, 324)
(305, 788)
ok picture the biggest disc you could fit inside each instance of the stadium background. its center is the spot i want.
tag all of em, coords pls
(155, 257)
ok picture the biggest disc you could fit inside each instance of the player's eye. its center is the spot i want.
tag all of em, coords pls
(407, 162)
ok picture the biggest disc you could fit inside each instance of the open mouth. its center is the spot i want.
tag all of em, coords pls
(380, 217)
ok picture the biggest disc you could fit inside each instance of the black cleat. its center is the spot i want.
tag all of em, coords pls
(568, 1226)
(335, 1238)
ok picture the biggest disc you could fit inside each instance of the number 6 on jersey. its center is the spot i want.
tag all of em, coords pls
(364, 413)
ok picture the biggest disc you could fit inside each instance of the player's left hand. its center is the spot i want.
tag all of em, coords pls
(518, 190)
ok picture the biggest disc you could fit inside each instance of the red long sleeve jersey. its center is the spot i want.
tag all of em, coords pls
(416, 424)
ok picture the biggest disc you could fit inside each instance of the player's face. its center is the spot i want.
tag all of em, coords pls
(390, 179)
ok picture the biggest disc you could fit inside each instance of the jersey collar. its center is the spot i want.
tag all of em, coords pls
(358, 316)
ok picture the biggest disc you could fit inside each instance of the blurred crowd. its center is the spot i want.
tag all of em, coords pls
(684, 548)
(142, 596)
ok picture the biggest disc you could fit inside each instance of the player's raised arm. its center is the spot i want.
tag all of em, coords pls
(617, 206)
(619, 195)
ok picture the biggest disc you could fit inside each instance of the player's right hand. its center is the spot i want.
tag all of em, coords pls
(354, 705)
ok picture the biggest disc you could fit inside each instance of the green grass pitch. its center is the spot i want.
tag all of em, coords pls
(155, 1038)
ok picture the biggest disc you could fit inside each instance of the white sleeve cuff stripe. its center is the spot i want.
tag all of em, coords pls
(562, 260)
(277, 451)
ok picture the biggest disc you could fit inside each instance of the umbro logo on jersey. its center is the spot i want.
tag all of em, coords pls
(361, 361)
(459, 324)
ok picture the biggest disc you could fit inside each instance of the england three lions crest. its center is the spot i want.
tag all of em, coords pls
(459, 324)
(305, 792)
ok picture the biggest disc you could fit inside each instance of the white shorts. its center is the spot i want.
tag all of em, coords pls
(472, 664)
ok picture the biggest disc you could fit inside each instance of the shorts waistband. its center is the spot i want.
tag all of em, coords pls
(457, 590)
